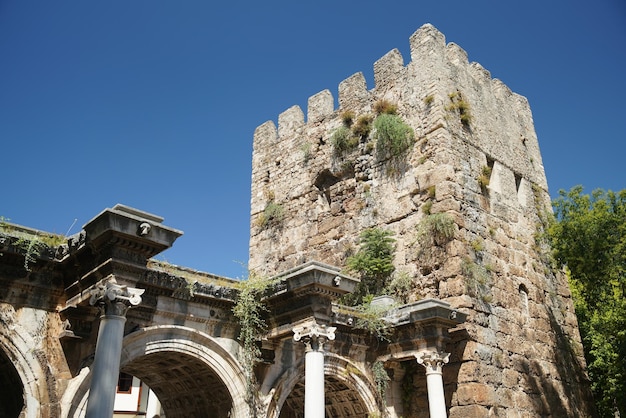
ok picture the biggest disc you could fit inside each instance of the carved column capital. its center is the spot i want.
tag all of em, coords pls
(314, 335)
(433, 361)
(115, 298)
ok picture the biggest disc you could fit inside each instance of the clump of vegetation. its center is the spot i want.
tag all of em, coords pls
(32, 245)
(393, 136)
(272, 215)
(436, 228)
(484, 178)
(427, 207)
(347, 117)
(400, 287)
(385, 107)
(363, 126)
(249, 310)
(478, 245)
(343, 140)
(373, 262)
(371, 318)
(429, 100)
(460, 105)
(306, 149)
(477, 280)
(381, 379)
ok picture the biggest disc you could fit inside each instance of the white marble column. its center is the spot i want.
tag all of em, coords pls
(433, 361)
(314, 336)
(115, 300)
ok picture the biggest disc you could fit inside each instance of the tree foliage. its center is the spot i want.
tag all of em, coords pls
(589, 238)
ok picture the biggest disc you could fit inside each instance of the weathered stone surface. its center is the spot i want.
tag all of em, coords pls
(492, 269)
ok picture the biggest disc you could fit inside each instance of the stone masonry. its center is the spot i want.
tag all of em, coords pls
(475, 160)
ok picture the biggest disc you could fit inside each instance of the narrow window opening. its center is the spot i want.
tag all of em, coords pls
(518, 181)
(523, 294)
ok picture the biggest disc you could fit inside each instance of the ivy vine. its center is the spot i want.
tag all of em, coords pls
(249, 309)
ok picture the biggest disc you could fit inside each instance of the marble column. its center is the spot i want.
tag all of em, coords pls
(433, 361)
(314, 336)
(115, 300)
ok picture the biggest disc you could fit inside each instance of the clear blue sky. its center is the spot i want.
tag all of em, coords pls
(154, 103)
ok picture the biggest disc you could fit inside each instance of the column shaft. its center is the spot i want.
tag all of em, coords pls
(314, 336)
(314, 405)
(436, 398)
(106, 367)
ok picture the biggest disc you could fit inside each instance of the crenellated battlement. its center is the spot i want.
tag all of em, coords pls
(436, 70)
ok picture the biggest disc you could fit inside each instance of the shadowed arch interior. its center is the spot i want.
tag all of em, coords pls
(185, 386)
(11, 389)
(340, 400)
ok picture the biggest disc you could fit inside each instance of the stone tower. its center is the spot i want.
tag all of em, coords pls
(475, 166)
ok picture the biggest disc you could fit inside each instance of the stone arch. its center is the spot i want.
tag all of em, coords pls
(22, 365)
(178, 362)
(339, 373)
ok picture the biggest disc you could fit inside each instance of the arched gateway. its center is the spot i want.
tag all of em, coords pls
(189, 371)
(174, 329)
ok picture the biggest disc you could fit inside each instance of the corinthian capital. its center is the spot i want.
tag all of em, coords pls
(433, 361)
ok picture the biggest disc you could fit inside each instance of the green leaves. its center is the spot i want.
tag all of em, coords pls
(248, 310)
(373, 262)
(393, 136)
(589, 237)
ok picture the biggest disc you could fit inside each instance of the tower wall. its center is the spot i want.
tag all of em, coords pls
(519, 354)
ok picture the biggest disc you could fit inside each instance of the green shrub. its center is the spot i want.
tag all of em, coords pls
(400, 287)
(371, 318)
(342, 140)
(438, 228)
(393, 136)
(272, 215)
(373, 262)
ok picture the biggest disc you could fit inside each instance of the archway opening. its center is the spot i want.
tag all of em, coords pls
(184, 385)
(11, 389)
(340, 401)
